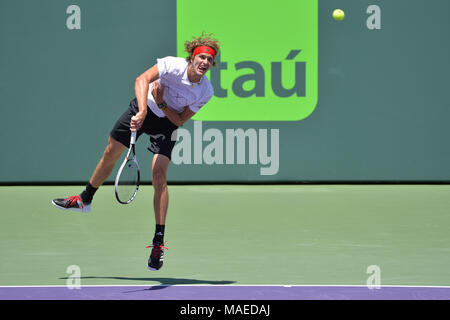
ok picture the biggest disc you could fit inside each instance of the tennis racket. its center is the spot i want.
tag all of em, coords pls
(129, 176)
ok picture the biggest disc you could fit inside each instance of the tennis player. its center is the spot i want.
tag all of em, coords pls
(167, 95)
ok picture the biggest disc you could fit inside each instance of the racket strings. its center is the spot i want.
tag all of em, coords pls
(128, 177)
(128, 181)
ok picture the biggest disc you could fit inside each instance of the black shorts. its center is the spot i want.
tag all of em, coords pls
(159, 129)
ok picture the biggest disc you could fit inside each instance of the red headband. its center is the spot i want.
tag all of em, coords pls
(204, 49)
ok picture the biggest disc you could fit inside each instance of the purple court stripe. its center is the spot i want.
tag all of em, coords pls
(216, 292)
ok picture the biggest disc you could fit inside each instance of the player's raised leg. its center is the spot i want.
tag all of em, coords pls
(82, 202)
(106, 164)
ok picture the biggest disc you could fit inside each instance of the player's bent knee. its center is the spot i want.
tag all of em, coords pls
(158, 179)
(159, 175)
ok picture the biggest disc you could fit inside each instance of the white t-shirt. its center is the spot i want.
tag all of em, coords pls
(179, 92)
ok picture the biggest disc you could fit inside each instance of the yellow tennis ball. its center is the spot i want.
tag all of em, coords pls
(338, 15)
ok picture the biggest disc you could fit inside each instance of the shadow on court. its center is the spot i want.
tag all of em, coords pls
(164, 282)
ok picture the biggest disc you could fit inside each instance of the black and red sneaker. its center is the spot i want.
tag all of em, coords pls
(155, 261)
(74, 203)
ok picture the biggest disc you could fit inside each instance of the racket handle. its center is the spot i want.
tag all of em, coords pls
(133, 137)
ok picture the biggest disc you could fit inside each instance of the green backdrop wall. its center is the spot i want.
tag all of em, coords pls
(382, 111)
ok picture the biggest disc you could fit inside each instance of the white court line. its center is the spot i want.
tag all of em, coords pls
(221, 285)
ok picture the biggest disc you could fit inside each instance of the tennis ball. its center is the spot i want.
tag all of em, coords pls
(338, 15)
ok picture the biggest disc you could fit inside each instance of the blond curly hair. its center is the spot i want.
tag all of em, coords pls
(205, 39)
